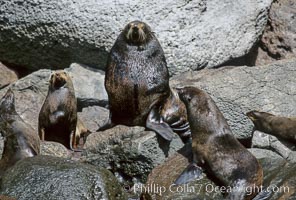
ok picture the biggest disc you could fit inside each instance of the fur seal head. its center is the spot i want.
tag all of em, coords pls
(58, 79)
(137, 33)
(256, 118)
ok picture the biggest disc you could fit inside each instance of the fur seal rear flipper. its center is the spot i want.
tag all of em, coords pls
(192, 172)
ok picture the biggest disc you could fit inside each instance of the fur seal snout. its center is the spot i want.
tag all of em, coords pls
(216, 149)
(20, 139)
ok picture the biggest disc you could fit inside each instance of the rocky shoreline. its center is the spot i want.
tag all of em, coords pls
(246, 62)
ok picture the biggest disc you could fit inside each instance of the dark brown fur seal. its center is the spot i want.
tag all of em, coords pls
(58, 115)
(281, 127)
(215, 147)
(137, 80)
(20, 139)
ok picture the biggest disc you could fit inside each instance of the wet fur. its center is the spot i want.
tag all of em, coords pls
(214, 145)
(173, 112)
(137, 77)
(20, 139)
(58, 115)
(282, 127)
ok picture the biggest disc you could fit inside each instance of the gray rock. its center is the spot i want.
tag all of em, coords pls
(264, 153)
(278, 40)
(46, 177)
(54, 149)
(292, 157)
(89, 85)
(260, 140)
(30, 93)
(280, 146)
(93, 117)
(130, 152)
(238, 90)
(194, 34)
(7, 76)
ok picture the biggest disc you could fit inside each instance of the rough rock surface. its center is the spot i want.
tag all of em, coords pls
(264, 141)
(54, 149)
(194, 34)
(46, 177)
(277, 172)
(89, 85)
(237, 90)
(93, 117)
(7, 76)
(130, 152)
(278, 40)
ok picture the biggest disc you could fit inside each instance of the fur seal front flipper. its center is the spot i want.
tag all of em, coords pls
(159, 126)
(192, 172)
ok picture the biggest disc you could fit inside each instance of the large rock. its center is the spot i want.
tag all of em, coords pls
(130, 152)
(89, 85)
(45, 177)
(238, 90)
(7, 76)
(278, 40)
(93, 117)
(284, 148)
(278, 174)
(31, 91)
(194, 34)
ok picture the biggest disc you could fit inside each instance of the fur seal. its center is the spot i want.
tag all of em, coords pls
(215, 148)
(173, 112)
(58, 115)
(81, 132)
(137, 80)
(20, 139)
(282, 127)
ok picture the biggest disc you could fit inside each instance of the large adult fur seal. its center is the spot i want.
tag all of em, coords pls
(58, 115)
(215, 148)
(20, 139)
(281, 127)
(137, 80)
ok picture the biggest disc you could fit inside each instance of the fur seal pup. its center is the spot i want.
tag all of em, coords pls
(137, 80)
(173, 112)
(282, 127)
(58, 115)
(20, 139)
(81, 132)
(215, 148)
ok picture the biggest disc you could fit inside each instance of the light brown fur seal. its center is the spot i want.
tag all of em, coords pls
(137, 80)
(215, 148)
(58, 116)
(81, 132)
(281, 127)
(20, 139)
